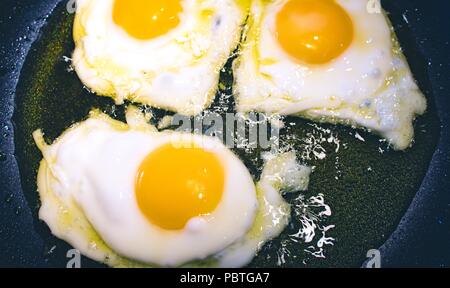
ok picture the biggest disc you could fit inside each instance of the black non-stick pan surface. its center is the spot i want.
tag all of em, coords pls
(397, 202)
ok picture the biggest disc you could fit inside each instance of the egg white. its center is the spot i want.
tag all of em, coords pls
(178, 71)
(86, 188)
(369, 85)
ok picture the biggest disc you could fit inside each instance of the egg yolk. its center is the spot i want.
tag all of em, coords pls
(174, 185)
(314, 31)
(147, 19)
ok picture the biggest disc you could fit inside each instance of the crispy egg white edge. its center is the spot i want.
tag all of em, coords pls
(397, 100)
(281, 172)
(68, 222)
(202, 56)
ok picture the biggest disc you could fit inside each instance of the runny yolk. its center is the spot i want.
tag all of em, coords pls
(174, 185)
(314, 31)
(147, 19)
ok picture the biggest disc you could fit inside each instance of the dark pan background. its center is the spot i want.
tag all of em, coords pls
(423, 236)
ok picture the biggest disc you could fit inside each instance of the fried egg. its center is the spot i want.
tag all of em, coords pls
(129, 196)
(331, 61)
(166, 54)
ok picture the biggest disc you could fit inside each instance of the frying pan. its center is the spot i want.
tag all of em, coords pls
(414, 232)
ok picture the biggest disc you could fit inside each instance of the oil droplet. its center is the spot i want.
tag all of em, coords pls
(9, 198)
(51, 250)
(5, 131)
(3, 157)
